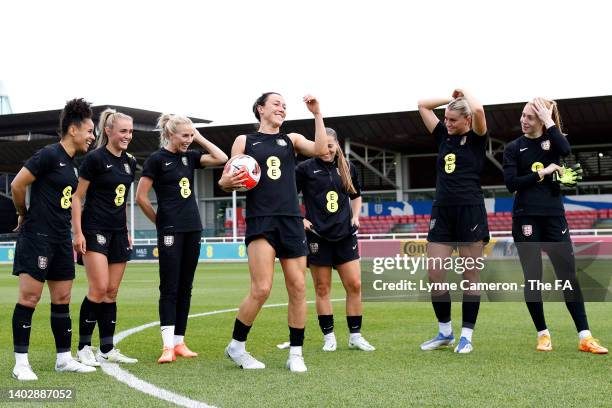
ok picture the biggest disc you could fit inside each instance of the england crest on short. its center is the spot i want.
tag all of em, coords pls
(432, 224)
(314, 247)
(42, 262)
(101, 239)
(168, 240)
(527, 230)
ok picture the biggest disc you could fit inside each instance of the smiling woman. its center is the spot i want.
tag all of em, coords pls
(44, 251)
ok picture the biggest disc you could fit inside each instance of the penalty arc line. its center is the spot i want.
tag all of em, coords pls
(136, 383)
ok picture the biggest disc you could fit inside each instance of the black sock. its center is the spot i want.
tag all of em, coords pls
(354, 323)
(326, 323)
(536, 310)
(442, 307)
(87, 321)
(241, 331)
(106, 325)
(296, 337)
(22, 324)
(61, 326)
(469, 308)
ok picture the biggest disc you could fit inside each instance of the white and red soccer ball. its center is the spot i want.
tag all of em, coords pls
(251, 167)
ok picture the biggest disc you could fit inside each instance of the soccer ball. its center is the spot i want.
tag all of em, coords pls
(250, 165)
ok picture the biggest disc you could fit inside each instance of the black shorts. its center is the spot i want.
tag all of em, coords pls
(458, 224)
(43, 260)
(328, 253)
(113, 244)
(540, 229)
(285, 234)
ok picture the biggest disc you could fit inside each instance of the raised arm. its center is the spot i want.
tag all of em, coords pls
(215, 156)
(142, 198)
(305, 146)
(78, 240)
(559, 141)
(19, 186)
(479, 121)
(426, 107)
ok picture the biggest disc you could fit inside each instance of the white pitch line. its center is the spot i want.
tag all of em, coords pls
(132, 381)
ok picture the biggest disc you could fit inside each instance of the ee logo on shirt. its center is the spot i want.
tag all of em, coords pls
(66, 200)
(274, 171)
(449, 163)
(184, 185)
(120, 197)
(535, 167)
(332, 201)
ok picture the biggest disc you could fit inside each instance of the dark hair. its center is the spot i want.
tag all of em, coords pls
(74, 113)
(261, 101)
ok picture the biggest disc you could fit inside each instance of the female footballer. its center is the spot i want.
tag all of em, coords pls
(100, 235)
(170, 172)
(538, 217)
(332, 197)
(458, 215)
(44, 249)
(274, 225)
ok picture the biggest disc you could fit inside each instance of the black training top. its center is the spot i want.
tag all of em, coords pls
(51, 193)
(328, 205)
(458, 167)
(275, 194)
(172, 175)
(110, 178)
(523, 157)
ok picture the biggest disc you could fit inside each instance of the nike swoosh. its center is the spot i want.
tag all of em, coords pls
(255, 143)
(89, 321)
(69, 330)
(113, 322)
(62, 164)
(167, 164)
(355, 327)
(108, 166)
(26, 327)
(523, 149)
(316, 171)
(355, 247)
(327, 328)
(474, 229)
(564, 231)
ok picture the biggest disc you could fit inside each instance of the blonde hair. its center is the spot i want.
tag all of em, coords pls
(168, 124)
(460, 105)
(343, 166)
(107, 120)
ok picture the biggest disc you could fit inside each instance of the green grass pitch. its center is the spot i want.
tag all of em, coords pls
(503, 370)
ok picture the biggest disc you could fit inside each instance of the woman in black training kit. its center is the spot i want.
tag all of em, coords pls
(274, 225)
(538, 217)
(100, 235)
(332, 197)
(44, 247)
(170, 172)
(458, 215)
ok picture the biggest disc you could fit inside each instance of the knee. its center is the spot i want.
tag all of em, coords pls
(354, 287)
(296, 290)
(322, 289)
(29, 299)
(61, 298)
(96, 294)
(111, 293)
(261, 292)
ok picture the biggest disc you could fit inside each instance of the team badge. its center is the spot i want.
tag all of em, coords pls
(127, 168)
(527, 230)
(101, 239)
(42, 262)
(184, 160)
(76, 172)
(281, 142)
(314, 248)
(545, 145)
(338, 171)
(168, 240)
(432, 224)
(463, 140)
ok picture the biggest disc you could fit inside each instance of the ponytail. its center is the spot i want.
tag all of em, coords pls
(167, 125)
(343, 165)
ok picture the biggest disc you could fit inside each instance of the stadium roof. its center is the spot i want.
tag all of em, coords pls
(585, 120)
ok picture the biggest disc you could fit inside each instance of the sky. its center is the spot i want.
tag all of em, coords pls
(212, 59)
